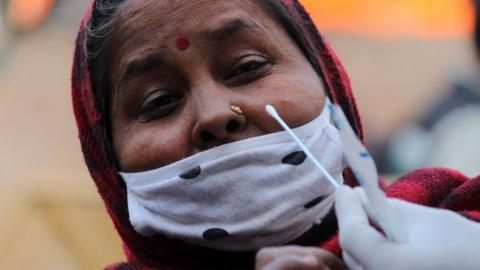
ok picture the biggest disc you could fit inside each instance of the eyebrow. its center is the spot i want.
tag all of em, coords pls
(151, 61)
(230, 29)
(140, 66)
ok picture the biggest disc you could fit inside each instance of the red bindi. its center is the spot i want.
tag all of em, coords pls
(183, 43)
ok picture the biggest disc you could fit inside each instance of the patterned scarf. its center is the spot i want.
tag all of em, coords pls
(435, 187)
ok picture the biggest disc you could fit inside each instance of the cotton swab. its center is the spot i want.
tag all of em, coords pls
(271, 110)
(362, 165)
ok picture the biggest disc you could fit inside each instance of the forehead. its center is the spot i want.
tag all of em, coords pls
(141, 27)
(144, 22)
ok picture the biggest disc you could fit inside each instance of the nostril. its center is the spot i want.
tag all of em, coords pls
(206, 136)
(232, 126)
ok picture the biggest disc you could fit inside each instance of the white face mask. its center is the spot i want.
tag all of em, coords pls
(245, 195)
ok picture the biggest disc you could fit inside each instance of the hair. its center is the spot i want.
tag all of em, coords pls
(99, 29)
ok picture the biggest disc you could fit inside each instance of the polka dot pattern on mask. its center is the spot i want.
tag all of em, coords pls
(215, 234)
(295, 158)
(313, 202)
(192, 173)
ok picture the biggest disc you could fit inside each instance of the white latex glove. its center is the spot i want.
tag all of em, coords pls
(437, 239)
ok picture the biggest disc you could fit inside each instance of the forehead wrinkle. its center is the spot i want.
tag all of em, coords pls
(139, 23)
(158, 14)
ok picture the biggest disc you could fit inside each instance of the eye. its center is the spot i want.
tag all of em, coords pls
(159, 104)
(248, 68)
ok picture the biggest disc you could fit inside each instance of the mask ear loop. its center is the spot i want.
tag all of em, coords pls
(272, 112)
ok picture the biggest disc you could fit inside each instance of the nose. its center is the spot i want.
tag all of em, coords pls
(217, 123)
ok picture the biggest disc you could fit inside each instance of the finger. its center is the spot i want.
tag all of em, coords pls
(323, 256)
(263, 258)
(348, 208)
(357, 237)
(293, 263)
(271, 252)
(402, 209)
(362, 197)
(329, 259)
(268, 254)
(407, 209)
(351, 262)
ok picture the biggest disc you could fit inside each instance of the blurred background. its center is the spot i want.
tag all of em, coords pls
(413, 66)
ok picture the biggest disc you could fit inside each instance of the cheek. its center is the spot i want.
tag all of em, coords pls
(299, 98)
(151, 147)
(302, 93)
(301, 107)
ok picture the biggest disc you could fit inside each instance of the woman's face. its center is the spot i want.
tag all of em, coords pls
(170, 100)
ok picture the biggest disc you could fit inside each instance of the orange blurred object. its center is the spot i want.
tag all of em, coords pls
(394, 18)
(23, 15)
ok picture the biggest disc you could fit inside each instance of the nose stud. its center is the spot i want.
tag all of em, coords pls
(236, 110)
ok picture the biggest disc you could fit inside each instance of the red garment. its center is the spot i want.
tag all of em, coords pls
(434, 187)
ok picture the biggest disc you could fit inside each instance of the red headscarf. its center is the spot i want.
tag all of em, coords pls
(159, 252)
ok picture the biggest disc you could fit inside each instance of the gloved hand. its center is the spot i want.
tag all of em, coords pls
(437, 239)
